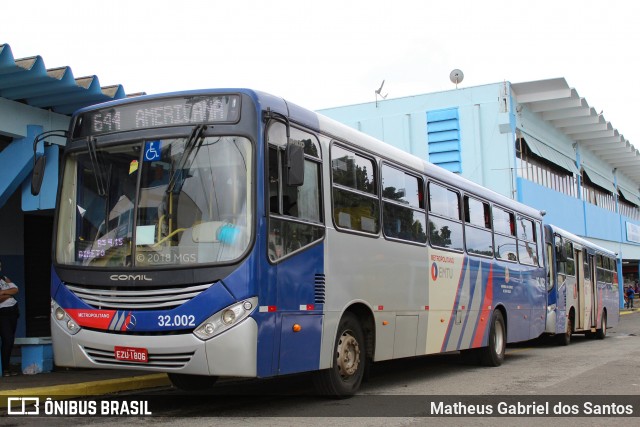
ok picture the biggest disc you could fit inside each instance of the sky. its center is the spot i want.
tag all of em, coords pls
(330, 53)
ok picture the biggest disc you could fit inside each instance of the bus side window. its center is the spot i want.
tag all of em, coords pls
(403, 215)
(295, 213)
(477, 217)
(599, 269)
(504, 227)
(561, 265)
(570, 264)
(539, 243)
(445, 226)
(355, 198)
(550, 267)
(587, 265)
(527, 250)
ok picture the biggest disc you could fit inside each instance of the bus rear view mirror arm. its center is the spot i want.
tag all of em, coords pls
(39, 163)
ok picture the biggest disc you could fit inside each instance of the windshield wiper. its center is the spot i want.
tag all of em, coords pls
(184, 164)
(97, 167)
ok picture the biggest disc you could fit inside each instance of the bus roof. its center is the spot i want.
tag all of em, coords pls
(577, 239)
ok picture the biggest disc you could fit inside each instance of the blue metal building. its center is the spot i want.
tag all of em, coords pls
(537, 142)
(34, 99)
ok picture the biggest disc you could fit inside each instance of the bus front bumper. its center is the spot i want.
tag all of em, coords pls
(232, 353)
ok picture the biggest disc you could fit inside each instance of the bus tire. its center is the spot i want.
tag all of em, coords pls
(343, 379)
(602, 332)
(192, 382)
(493, 354)
(565, 339)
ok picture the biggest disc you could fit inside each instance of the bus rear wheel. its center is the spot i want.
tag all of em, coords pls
(343, 379)
(192, 382)
(602, 332)
(493, 354)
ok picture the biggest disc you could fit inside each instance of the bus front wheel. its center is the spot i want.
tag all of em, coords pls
(565, 339)
(349, 358)
(192, 382)
(493, 354)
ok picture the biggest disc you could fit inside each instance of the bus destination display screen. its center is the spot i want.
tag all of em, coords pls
(192, 110)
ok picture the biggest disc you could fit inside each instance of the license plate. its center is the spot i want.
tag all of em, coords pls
(132, 354)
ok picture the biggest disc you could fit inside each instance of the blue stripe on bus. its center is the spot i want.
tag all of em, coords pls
(473, 306)
(463, 275)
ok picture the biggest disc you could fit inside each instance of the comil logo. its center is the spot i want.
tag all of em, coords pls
(117, 277)
(23, 406)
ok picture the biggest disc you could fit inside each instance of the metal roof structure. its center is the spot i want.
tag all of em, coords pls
(560, 105)
(27, 80)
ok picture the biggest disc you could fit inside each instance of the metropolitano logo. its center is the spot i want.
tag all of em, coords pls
(23, 406)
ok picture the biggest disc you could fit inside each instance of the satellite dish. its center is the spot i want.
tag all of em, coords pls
(456, 76)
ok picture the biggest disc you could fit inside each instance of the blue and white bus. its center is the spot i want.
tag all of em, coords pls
(228, 232)
(583, 286)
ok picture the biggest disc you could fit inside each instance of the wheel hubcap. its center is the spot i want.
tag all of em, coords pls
(499, 340)
(348, 355)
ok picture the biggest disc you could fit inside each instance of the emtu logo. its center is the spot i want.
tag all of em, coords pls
(434, 271)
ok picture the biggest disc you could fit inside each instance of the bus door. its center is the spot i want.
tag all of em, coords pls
(588, 290)
(594, 291)
(580, 287)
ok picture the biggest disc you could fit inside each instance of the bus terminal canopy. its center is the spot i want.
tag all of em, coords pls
(28, 81)
(53, 93)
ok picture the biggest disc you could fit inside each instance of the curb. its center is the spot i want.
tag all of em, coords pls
(91, 388)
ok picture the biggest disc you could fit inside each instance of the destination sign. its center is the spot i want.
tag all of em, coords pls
(191, 110)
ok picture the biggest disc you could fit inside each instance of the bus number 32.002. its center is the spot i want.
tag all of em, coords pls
(177, 320)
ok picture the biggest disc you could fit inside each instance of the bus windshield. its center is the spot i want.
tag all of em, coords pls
(151, 203)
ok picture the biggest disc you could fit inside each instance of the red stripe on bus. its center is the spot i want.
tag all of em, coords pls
(485, 313)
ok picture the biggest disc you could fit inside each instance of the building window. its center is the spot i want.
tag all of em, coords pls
(543, 172)
(628, 208)
(597, 195)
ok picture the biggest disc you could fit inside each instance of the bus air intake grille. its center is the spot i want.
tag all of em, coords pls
(137, 299)
(156, 360)
(319, 288)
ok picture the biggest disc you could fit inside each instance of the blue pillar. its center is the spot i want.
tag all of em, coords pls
(620, 281)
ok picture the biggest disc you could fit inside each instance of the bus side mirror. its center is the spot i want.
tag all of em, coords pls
(38, 175)
(295, 163)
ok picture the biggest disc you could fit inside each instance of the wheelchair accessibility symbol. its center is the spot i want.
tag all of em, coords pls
(152, 151)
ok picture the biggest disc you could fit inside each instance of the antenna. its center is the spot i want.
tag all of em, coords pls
(379, 93)
(456, 76)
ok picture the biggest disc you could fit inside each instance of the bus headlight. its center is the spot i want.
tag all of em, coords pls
(225, 319)
(63, 319)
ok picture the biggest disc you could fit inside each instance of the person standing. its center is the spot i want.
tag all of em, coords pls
(8, 320)
(630, 293)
